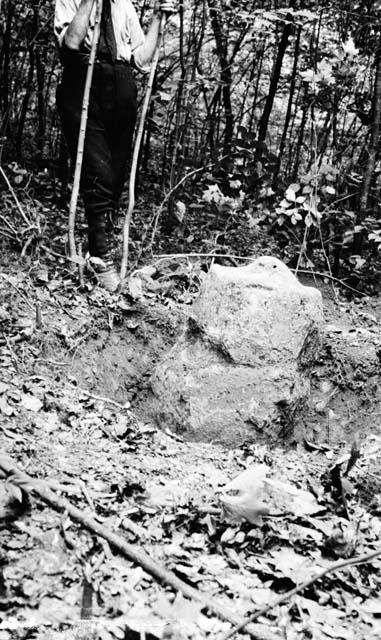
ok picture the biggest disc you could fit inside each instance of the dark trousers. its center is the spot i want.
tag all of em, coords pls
(109, 134)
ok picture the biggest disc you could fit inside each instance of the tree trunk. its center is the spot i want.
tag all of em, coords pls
(306, 107)
(275, 77)
(178, 137)
(290, 102)
(41, 107)
(260, 60)
(225, 75)
(4, 68)
(25, 105)
(374, 138)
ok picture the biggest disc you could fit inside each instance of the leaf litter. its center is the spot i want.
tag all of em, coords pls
(244, 525)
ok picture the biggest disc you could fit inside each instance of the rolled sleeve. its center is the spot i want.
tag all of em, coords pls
(143, 68)
(65, 11)
(137, 40)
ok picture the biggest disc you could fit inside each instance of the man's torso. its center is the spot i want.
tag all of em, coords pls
(127, 30)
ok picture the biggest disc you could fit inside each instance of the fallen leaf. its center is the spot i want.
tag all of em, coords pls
(163, 607)
(245, 507)
(304, 533)
(248, 480)
(3, 387)
(186, 610)
(342, 541)
(372, 606)
(322, 615)
(228, 535)
(132, 325)
(169, 495)
(180, 210)
(135, 287)
(31, 403)
(121, 426)
(42, 274)
(293, 565)
(5, 408)
(260, 496)
(17, 542)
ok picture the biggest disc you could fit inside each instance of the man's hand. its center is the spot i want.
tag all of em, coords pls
(165, 6)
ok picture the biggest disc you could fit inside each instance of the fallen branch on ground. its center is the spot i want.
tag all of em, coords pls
(101, 398)
(335, 566)
(133, 552)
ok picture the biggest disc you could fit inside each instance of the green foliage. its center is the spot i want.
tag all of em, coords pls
(211, 99)
(304, 202)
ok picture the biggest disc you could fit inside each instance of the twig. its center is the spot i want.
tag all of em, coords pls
(14, 340)
(26, 246)
(132, 527)
(10, 226)
(165, 256)
(176, 186)
(20, 293)
(133, 552)
(67, 539)
(243, 258)
(7, 235)
(39, 320)
(135, 157)
(12, 352)
(54, 253)
(54, 363)
(326, 275)
(82, 133)
(87, 495)
(80, 266)
(11, 189)
(100, 398)
(336, 566)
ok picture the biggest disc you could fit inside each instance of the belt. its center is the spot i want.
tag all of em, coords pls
(109, 60)
(72, 56)
(83, 55)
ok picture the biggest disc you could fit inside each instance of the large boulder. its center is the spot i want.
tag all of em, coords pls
(241, 368)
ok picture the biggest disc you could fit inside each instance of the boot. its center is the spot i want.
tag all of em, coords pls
(100, 259)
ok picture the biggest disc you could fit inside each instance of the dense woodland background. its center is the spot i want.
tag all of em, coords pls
(268, 114)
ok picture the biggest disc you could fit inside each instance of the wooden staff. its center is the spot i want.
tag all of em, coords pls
(82, 133)
(135, 157)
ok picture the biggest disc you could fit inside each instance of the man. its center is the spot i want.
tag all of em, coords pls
(112, 107)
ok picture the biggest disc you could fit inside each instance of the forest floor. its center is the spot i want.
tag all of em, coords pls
(76, 413)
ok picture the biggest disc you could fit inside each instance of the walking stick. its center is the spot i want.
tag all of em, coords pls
(135, 157)
(82, 133)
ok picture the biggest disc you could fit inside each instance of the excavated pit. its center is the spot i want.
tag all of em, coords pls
(345, 400)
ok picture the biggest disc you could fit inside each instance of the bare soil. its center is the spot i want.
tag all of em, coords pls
(346, 394)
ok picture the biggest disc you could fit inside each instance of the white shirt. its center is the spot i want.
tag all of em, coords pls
(129, 35)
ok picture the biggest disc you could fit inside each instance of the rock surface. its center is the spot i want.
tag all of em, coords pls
(241, 368)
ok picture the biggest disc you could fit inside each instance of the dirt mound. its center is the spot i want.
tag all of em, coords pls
(118, 362)
(345, 398)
